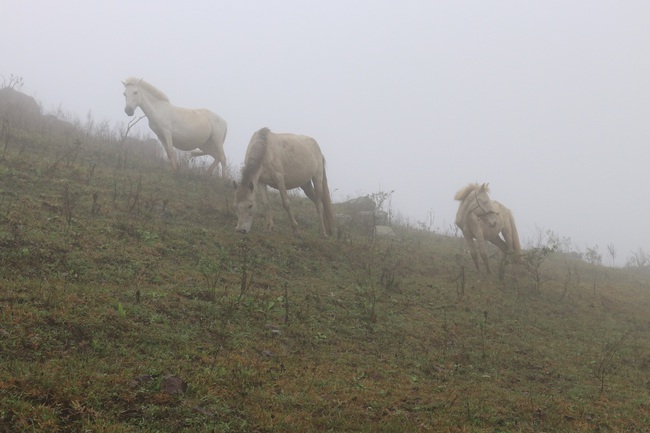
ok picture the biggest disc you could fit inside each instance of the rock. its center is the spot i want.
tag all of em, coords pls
(173, 385)
(385, 232)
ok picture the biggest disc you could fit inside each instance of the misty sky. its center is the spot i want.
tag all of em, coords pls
(548, 101)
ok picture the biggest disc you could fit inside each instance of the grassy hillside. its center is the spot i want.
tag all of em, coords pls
(128, 304)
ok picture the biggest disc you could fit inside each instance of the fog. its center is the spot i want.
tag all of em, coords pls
(548, 101)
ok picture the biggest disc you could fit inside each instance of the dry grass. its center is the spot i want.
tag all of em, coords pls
(117, 273)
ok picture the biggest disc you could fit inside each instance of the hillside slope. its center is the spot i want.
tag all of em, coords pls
(128, 304)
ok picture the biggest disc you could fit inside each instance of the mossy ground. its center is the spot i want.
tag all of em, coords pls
(117, 273)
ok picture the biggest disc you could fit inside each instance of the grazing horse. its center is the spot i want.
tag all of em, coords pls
(483, 219)
(183, 128)
(283, 162)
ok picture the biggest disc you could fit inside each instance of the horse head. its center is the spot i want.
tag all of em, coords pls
(245, 206)
(132, 96)
(483, 206)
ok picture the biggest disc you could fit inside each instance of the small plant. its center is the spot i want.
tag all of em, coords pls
(460, 278)
(121, 154)
(95, 208)
(638, 260)
(608, 360)
(13, 82)
(380, 198)
(7, 134)
(611, 249)
(147, 236)
(211, 271)
(367, 292)
(482, 325)
(249, 265)
(535, 257)
(595, 259)
(570, 280)
(90, 171)
(68, 155)
(286, 304)
(69, 203)
(134, 199)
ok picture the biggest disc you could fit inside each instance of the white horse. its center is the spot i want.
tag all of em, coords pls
(183, 128)
(283, 161)
(483, 219)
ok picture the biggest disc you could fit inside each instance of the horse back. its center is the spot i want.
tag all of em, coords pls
(297, 158)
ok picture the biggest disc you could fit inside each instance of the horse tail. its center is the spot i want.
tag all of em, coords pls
(328, 215)
(516, 245)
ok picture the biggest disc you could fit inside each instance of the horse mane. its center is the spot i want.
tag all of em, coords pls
(155, 92)
(257, 150)
(463, 193)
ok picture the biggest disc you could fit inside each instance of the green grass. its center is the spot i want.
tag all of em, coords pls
(116, 272)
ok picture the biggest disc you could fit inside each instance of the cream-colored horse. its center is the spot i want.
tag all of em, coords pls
(283, 162)
(183, 128)
(483, 219)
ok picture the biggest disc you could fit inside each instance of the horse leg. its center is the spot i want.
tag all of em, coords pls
(484, 256)
(472, 250)
(503, 246)
(212, 167)
(267, 204)
(287, 206)
(167, 142)
(314, 195)
(217, 137)
(222, 160)
(219, 157)
(483, 252)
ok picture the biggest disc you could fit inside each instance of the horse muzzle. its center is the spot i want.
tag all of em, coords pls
(129, 111)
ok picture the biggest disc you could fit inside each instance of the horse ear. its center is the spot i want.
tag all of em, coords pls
(124, 83)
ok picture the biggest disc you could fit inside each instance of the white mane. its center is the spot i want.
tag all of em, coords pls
(156, 92)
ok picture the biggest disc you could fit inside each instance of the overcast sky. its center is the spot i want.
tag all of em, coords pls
(548, 101)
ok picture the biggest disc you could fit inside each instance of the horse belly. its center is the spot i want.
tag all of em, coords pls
(189, 140)
(190, 130)
(303, 169)
(490, 231)
(294, 176)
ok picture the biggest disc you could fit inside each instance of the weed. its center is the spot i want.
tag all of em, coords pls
(460, 278)
(134, 197)
(608, 360)
(211, 271)
(247, 266)
(378, 335)
(69, 204)
(535, 257)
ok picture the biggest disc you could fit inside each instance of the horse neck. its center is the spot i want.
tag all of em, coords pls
(254, 162)
(475, 205)
(253, 175)
(470, 204)
(463, 210)
(151, 105)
